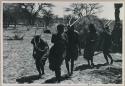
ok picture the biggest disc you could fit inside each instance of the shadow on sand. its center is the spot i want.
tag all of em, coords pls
(53, 80)
(100, 65)
(85, 66)
(112, 75)
(27, 79)
(82, 67)
(117, 60)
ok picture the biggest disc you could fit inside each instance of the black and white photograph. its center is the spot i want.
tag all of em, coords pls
(60, 42)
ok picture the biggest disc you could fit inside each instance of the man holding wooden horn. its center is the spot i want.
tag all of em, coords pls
(72, 48)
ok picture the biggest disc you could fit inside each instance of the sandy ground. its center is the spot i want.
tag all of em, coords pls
(19, 65)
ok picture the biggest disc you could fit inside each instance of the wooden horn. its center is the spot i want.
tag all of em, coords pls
(107, 23)
(70, 20)
(110, 22)
(75, 22)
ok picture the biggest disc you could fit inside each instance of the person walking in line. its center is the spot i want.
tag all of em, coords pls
(57, 51)
(106, 44)
(40, 53)
(90, 45)
(72, 48)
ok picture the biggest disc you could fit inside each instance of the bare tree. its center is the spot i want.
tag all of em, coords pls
(47, 17)
(27, 11)
(11, 13)
(69, 19)
(84, 9)
(34, 10)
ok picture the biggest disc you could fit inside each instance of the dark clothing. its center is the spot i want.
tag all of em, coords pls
(73, 45)
(40, 53)
(57, 51)
(90, 46)
(106, 42)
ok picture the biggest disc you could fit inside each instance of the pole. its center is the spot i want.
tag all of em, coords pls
(75, 21)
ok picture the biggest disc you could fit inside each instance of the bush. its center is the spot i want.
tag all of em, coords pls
(47, 31)
(16, 37)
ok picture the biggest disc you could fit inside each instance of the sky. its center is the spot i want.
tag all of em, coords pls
(108, 10)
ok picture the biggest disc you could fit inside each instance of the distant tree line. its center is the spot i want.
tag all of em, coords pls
(28, 13)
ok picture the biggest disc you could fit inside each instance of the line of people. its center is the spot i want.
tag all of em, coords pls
(66, 46)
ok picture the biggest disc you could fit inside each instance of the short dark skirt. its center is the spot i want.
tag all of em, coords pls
(56, 57)
(88, 54)
(72, 54)
(40, 57)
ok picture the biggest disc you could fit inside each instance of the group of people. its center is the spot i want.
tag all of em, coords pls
(66, 46)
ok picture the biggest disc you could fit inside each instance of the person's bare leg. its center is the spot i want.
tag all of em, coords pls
(72, 66)
(42, 68)
(58, 75)
(67, 66)
(38, 69)
(106, 58)
(88, 62)
(110, 58)
(92, 64)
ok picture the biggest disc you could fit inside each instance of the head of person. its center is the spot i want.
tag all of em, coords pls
(37, 38)
(92, 28)
(60, 28)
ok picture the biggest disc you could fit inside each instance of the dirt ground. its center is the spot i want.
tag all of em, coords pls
(19, 66)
